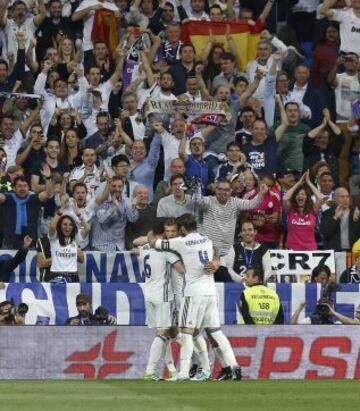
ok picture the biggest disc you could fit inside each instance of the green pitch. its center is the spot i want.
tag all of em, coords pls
(142, 395)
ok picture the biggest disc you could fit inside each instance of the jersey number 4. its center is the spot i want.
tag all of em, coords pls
(147, 267)
(204, 257)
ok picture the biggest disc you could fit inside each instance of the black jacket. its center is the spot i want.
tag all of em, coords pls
(7, 266)
(330, 229)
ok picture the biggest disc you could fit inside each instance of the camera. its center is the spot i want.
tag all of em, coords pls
(103, 317)
(322, 314)
(9, 314)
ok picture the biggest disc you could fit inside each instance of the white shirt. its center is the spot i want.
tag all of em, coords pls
(89, 20)
(195, 17)
(195, 250)
(299, 92)
(346, 90)
(157, 271)
(51, 102)
(254, 64)
(28, 28)
(138, 127)
(349, 29)
(196, 97)
(86, 212)
(92, 181)
(307, 6)
(12, 146)
(105, 90)
(171, 150)
(63, 258)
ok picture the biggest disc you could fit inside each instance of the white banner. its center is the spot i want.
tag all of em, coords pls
(300, 263)
(125, 267)
(264, 352)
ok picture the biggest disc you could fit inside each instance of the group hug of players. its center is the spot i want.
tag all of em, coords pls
(181, 301)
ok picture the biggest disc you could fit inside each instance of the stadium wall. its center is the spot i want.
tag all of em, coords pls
(264, 352)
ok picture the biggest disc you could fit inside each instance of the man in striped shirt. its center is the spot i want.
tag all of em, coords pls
(220, 213)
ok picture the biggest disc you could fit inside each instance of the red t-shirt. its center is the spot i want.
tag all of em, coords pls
(269, 232)
(301, 231)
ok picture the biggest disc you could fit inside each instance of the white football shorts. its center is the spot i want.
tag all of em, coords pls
(200, 311)
(160, 314)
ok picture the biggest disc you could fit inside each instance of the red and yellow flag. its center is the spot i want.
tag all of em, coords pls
(106, 28)
(246, 37)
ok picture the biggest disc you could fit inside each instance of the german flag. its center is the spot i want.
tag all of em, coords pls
(246, 37)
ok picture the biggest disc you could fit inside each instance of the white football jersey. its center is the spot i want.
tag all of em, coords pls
(195, 250)
(157, 271)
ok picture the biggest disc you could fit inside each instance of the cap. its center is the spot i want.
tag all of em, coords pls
(83, 298)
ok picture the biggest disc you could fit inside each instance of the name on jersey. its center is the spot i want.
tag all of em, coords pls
(195, 242)
(355, 29)
(65, 254)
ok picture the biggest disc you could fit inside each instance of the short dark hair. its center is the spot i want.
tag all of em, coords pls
(240, 79)
(19, 178)
(232, 144)
(289, 103)
(215, 6)
(76, 185)
(4, 116)
(175, 177)
(4, 62)
(102, 114)
(188, 221)
(247, 222)
(186, 45)
(247, 109)
(228, 56)
(120, 158)
(268, 176)
(168, 4)
(170, 221)
(158, 226)
(92, 67)
(318, 269)
(258, 272)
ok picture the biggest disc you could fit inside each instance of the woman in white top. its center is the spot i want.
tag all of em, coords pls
(65, 253)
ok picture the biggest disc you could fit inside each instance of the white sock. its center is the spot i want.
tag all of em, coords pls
(220, 357)
(201, 349)
(169, 360)
(156, 352)
(225, 348)
(187, 348)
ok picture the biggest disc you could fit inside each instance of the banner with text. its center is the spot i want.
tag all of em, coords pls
(296, 266)
(264, 352)
(55, 303)
(289, 266)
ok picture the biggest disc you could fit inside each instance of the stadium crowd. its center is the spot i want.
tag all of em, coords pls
(103, 130)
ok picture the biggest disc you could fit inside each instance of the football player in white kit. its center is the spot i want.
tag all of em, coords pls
(178, 282)
(199, 308)
(159, 297)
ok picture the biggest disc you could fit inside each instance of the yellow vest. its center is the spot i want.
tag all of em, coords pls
(263, 303)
